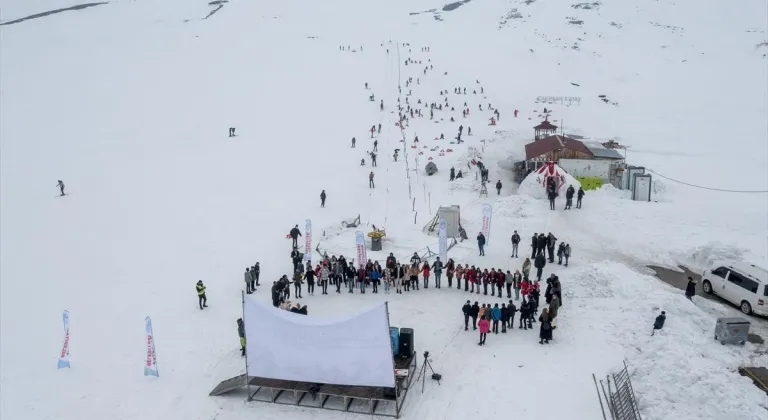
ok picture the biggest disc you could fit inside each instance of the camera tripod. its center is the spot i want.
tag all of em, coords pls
(423, 372)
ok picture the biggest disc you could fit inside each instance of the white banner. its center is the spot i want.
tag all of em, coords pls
(150, 364)
(360, 246)
(351, 349)
(442, 241)
(487, 213)
(308, 240)
(64, 355)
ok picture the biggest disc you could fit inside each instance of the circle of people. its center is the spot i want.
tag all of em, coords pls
(405, 277)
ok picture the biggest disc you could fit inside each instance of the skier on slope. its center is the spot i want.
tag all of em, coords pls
(370, 180)
(295, 233)
(322, 198)
(375, 145)
(61, 187)
(353, 142)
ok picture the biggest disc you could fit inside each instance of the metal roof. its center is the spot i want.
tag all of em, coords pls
(601, 152)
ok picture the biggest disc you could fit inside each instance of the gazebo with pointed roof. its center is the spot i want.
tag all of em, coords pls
(544, 130)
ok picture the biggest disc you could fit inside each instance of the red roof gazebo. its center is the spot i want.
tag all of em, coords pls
(543, 130)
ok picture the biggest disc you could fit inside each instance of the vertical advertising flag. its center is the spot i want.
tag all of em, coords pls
(150, 363)
(360, 246)
(308, 240)
(64, 355)
(487, 213)
(442, 241)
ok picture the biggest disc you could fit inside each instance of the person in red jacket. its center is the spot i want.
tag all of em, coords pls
(486, 278)
(500, 282)
(525, 287)
(494, 279)
(484, 326)
(425, 274)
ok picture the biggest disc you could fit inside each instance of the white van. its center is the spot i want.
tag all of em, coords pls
(743, 284)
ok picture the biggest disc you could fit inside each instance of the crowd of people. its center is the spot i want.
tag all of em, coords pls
(396, 276)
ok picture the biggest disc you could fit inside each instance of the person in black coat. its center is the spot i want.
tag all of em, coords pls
(498, 187)
(467, 311)
(534, 245)
(515, 244)
(322, 199)
(569, 197)
(659, 323)
(295, 233)
(541, 243)
(512, 310)
(481, 243)
(504, 318)
(690, 288)
(579, 196)
(276, 289)
(310, 277)
(540, 262)
(473, 314)
(525, 314)
(551, 195)
(551, 242)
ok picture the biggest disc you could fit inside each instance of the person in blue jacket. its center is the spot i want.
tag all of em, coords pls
(496, 316)
(375, 276)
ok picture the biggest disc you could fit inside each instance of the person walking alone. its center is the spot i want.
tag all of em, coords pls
(659, 323)
(690, 288)
(481, 243)
(322, 199)
(370, 180)
(579, 196)
(201, 299)
(295, 233)
(515, 244)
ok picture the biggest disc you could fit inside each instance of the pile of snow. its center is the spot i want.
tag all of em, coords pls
(534, 184)
(679, 363)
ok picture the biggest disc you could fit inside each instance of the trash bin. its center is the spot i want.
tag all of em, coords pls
(375, 244)
(732, 330)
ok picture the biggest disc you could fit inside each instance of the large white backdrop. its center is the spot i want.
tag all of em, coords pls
(351, 350)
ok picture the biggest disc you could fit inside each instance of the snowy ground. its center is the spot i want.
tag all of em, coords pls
(129, 104)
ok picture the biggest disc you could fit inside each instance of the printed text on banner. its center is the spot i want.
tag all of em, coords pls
(487, 213)
(308, 240)
(150, 363)
(442, 241)
(64, 355)
(360, 246)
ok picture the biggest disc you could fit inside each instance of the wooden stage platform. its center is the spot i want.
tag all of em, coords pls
(356, 399)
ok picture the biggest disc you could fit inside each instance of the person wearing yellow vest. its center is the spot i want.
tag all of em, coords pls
(201, 299)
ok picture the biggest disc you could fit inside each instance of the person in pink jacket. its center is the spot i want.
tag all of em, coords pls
(484, 326)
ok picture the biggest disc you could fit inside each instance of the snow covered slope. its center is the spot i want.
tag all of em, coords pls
(128, 103)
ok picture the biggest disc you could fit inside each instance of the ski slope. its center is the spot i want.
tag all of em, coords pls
(128, 103)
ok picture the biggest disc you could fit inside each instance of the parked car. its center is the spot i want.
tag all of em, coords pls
(743, 284)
